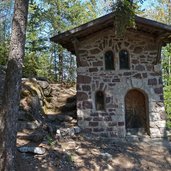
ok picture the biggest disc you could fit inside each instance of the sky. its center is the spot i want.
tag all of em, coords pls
(149, 3)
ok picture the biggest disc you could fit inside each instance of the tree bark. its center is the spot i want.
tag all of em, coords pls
(60, 67)
(11, 95)
(55, 64)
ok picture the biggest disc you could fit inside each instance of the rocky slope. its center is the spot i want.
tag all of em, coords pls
(44, 109)
(48, 112)
(51, 102)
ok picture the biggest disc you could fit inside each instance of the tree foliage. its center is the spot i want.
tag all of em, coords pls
(166, 65)
(59, 17)
(162, 13)
(47, 18)
(124, 12)
(5, 29)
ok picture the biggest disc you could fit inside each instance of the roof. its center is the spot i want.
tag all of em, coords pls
(142, 24)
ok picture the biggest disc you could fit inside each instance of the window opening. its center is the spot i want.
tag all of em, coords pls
(109, 60)
(124, 59)
(99, 100)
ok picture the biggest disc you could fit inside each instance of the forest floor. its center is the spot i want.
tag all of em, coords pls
(85, 153)
(81, 152)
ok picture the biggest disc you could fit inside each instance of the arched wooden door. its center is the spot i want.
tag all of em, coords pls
(136, 111)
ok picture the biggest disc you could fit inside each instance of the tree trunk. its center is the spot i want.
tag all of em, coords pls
(55, 64)
(60, 62)
(11, 95)
(60, 67)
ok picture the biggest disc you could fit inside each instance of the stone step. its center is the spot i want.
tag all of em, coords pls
(31, 136)
(66, 99)
(62, 96)
(61, 108)
(68, 107)
(61, 100)
(65, 104)
(68, 92)
(59, 90)
(28, 125)
(66, 116)
(72, 113)
(69, 125)
(60, 118)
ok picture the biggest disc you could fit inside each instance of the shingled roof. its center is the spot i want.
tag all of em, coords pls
(143, 25)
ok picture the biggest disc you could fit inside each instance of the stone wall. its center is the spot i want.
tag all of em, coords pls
(142, 75)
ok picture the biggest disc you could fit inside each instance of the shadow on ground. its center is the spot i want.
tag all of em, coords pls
(85, 152)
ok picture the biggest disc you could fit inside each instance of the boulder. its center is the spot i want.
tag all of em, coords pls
(43, 84)
(35, 150)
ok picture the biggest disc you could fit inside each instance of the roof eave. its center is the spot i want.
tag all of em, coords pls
(65, 38)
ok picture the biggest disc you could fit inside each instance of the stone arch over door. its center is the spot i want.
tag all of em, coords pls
(136, 112)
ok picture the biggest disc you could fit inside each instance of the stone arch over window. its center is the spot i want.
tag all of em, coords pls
(109, 60)
(136, 111)
(99, 100)
(124, 59)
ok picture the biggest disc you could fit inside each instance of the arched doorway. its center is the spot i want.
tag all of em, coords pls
(136, 112)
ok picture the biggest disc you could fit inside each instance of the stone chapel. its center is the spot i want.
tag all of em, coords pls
(119, 80)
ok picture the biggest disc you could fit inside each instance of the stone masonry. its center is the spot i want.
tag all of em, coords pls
(143, 75)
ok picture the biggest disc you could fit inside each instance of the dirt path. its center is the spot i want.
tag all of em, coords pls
(85, 154)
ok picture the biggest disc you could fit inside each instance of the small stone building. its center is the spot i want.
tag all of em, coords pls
(119, 80)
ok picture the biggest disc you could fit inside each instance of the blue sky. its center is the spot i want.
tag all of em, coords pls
(149, 4)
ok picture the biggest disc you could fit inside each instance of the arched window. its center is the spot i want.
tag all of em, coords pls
(124, 59)
(99, 100)
(109, 60)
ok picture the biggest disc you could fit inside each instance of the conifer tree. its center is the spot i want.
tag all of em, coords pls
(11, 95)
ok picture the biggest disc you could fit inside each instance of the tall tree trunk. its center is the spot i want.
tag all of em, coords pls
(60, 67)
(60, 63)
(55, 64)
(11, 95)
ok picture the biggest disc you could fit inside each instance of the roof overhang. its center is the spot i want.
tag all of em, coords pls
(156, 29)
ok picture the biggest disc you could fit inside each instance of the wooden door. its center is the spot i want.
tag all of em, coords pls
(135, 107)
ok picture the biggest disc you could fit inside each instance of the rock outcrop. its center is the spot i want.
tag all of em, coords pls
(44, 104)
(43, 101)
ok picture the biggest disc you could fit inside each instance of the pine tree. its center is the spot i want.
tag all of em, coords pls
(5, 27)
(35, 43)
(162, 13)
(11, 95)
(62, 16)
